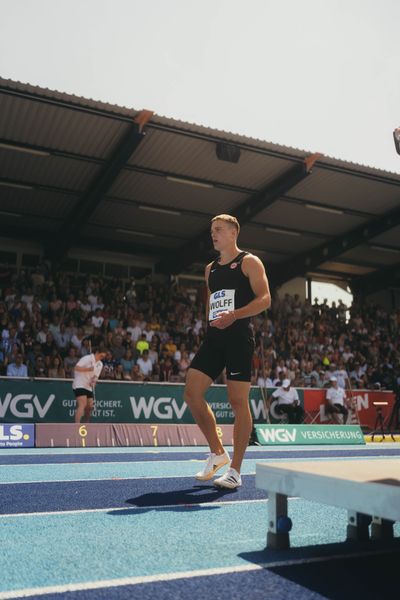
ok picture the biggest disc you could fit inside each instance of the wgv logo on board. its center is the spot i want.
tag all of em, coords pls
(24, 405)
(278, 434)
(162, 408)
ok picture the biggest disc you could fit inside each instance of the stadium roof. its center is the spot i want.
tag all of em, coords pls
(77, 172)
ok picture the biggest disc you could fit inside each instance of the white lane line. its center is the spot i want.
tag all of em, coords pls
(125, 581)
(138, 508)
(180, 450)
(78, 464)
(144, 477)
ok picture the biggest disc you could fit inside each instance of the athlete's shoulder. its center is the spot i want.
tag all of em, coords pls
(251, 261)
(85, 361)
(208, 268)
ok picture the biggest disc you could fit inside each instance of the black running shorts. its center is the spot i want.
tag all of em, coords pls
(83, 392)
(234, 354)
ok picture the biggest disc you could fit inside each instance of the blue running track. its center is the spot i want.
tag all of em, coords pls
(93, 524)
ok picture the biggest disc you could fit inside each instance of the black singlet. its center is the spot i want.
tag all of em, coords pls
(222, 281)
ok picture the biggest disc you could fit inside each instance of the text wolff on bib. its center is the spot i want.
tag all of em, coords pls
(221, 301)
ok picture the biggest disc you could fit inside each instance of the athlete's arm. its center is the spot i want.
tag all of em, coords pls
(206, 276)
(84, 369)
(254, 269)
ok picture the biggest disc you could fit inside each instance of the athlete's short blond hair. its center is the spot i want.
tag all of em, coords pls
(228, 219)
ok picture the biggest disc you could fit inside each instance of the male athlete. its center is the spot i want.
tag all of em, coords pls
(87, 371)
(238, 289)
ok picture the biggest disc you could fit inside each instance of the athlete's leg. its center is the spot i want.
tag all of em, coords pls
(238, 395)
(197, 383)
(81, 402)
(88, 409)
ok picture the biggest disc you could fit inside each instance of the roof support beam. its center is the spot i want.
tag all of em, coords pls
(77, 220)
(309, 261)
(200, 246)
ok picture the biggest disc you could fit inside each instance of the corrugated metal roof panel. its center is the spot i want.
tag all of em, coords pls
(300, 218)
(99, 231)
(37, 202)
(54, 171)
(183, 226)
(152, 189)
(345, 191)
(202, 130)
(275, 242)
(196, 158)
(368, 254)
(35, 90)
(26, 121)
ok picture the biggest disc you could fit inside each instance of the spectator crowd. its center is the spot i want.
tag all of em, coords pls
(151, 331)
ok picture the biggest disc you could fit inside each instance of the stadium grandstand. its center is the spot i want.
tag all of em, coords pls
(104, 201)
(105, 216)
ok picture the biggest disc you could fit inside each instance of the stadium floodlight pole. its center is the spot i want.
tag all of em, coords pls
(396, 137)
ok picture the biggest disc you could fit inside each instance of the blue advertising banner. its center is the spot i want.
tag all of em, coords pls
(21, 435)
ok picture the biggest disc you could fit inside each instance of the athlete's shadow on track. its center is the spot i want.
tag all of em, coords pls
(192, 498)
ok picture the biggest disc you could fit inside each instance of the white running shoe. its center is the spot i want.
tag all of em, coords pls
(214, 462)
(231, 479)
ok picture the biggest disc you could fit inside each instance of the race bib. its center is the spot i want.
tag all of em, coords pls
(221, 301)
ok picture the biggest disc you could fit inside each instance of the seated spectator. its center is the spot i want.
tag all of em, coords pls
(56, 305)
(77, 339)
(178, 354)
(119, 373)
(97, 319)
(42, 334)
(136, 374)
(145, 365)
(166, 369)
(62, 340)
(264, 379)
(142, 344)
(183, 365)
(40, 367)
(170, 347)
(149, 332)
(335, 397)
(288, 402)
(55, 325)
(71, 304)
(153, 354)
(17, 368)
(117, 348)
(70, 361)
(127, 341)
(56, 368)
(134, 329)
(127, 362)
(49, 345)
(109, 366)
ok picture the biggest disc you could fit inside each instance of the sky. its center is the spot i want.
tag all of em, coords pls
(319, 75)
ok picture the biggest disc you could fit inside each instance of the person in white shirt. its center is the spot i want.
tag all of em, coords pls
(288, 402)
(145, 364)
(86, 373)
(336, 401)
